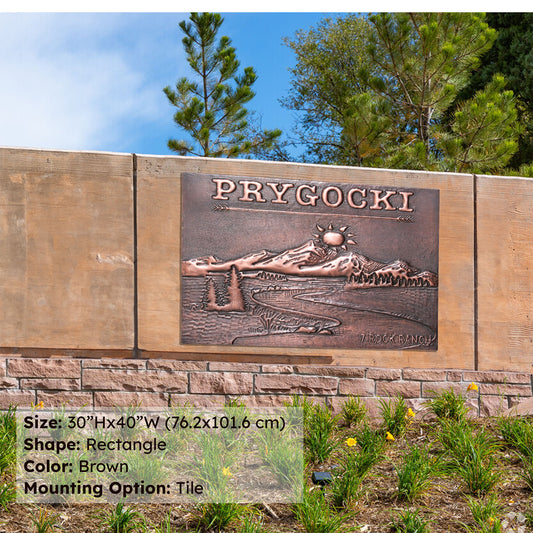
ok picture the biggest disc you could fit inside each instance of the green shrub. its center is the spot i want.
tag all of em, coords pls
(45, 521)
(371, 445)
(123, 520)
(414, 474)
(518, 433)
(319, 434)
(449, 405)
(395, 416)
(316, 516)
(219, 515)
(471, 456)
(353, 411)
(485, 512)
(8, 494)
(408, 521)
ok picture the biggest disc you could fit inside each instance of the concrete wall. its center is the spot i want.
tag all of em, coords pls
(90, 262)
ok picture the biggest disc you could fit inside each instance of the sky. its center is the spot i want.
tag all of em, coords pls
(93, 81)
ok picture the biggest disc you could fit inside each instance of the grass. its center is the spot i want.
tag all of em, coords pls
(485, 512)
(471, 456)
(517, 433)
(45, 521)
(371, 477)
(449, 405)
(353, 411)
(395, 416)
(320, 427)
(408, 521)
(218, 516)
(316, 516)
(417, 467)
(123, 520)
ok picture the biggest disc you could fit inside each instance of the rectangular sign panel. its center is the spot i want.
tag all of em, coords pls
(285, 263)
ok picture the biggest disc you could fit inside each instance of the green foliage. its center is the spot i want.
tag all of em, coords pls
(211, 106)
(251, 523)
(485, 514)
(8, 439)
(408, 521)
(123, 520)
(380, 91)
(165, 526)
(394, 414)
(316, 516)
(527, 471)
(353, 411)
(218, 515)
(417, 466)
(512, 56)
(449, 405)
(45, 521)
(324, 79)
(346, 487)
(371, 446)
(518, 433)
(471, 456)
(319, 433)
(8, 494)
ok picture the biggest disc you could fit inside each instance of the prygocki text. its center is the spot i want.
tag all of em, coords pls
(312, 195)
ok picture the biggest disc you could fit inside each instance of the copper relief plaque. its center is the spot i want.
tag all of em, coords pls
(285, 263)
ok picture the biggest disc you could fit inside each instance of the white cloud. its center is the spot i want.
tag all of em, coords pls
(68, 82)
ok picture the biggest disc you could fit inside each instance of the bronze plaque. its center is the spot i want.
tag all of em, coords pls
(308, 264)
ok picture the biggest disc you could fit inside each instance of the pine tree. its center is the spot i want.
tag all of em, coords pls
(393, 101)
(211, 107)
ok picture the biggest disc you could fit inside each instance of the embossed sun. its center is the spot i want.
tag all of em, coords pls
(334, 238)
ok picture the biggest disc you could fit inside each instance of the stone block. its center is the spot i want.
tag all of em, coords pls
(336, 371)
(505, 389)
(383, 373)
(75, 400)
(44, 368)
(429, 390)
(455, 375)
(146, 400)
(22, 398)
(492, 405)
(234, 367)
(176, 366)
(407, 389)
(9, 383)
(497, 377)
(3, 366)
(50, 383)
(221, 383)
(133, 380)
(295, 384)
(277, 369)
(424, 375)
(200, 401)
(131, 364)
(356, 387)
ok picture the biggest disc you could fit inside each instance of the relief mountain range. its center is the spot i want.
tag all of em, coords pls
(316, 259)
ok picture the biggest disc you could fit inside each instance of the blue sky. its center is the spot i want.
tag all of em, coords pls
(94, 81)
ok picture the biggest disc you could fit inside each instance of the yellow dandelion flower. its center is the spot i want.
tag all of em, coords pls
(389, 436)
(410, 413)
(226, 472)
(472, 386)
(351, 442)
(491, 521)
